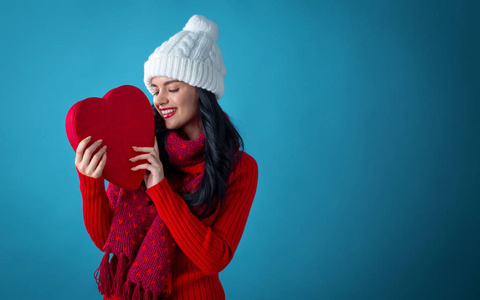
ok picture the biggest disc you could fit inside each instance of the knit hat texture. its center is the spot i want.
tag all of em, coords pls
(192, 56)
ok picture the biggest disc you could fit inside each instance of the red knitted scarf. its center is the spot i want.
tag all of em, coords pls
(187, 157)
(142, 248)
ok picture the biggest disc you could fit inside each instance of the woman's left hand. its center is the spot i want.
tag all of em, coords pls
(154, 168)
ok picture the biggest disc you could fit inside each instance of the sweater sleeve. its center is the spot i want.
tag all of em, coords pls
(97, 209)
(209, 248)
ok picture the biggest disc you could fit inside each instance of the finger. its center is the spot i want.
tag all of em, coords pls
(144, 166)
(149, 167)
(93, 163)
(101, 165)
(148, 156)
(143, 149)
(156, 164)
(89, 151)
(156, 146)
(139, 157)
(81, 146)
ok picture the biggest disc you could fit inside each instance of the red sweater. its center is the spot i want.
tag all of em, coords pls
(205, 246)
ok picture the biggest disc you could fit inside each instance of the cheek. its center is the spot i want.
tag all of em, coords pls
(195, 100)
(193, 108)
(190, 104)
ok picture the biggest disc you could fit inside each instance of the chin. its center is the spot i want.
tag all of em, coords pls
(170, 126)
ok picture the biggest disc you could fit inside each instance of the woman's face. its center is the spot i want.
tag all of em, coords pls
(177, 103)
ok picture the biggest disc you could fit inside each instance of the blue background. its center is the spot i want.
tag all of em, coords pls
(363, 117)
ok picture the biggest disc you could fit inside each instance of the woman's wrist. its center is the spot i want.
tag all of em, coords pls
(156, 184)
(90, 187)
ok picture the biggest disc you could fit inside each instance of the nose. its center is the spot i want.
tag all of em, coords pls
(160, 98)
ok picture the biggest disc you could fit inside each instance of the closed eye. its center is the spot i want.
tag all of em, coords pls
(171, 91)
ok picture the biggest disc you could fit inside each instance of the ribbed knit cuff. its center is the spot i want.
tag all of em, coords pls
(97, 210)
(91, 187)
(161, 190)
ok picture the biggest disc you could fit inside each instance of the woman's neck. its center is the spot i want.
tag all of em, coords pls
(190, 133)
(185, 137)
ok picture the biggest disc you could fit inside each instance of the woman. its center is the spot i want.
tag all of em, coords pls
(199, 186)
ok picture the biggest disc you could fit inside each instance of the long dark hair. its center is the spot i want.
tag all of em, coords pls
(222, 145)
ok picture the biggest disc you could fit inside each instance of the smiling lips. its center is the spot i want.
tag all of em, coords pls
(167, 113)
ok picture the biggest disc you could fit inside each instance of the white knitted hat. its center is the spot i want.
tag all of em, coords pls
(191, 56)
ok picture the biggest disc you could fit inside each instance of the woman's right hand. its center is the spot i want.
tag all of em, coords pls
(85, 163)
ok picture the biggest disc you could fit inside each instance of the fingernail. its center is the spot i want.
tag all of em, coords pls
(88, 138)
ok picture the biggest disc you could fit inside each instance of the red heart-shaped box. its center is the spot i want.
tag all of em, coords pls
(122, 118)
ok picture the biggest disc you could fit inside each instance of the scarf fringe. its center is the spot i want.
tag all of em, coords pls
(120, 274)
(111, 274)
(135, 291)
(103, 276)
(128, 290)
(148, 295)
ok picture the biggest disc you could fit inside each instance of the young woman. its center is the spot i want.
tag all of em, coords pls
(172, 236)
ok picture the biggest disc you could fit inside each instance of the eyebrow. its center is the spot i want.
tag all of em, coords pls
(165, 83)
